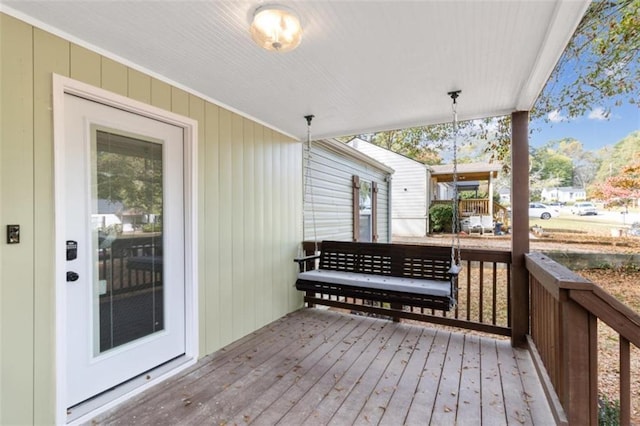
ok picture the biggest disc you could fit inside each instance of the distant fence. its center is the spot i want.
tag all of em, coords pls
(577, 261)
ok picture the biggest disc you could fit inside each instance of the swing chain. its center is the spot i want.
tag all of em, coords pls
(308, 191)
(455, 236)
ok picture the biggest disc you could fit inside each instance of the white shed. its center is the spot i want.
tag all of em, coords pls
(346, 194)
(409, 208)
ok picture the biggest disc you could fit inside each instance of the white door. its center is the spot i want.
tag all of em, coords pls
(124, 244)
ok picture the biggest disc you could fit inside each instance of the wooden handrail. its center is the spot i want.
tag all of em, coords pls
(611, 311)
(565, 308)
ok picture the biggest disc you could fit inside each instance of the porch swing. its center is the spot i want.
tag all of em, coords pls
(395, 274)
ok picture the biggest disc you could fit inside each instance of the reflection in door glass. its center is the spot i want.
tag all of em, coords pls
(127, 195)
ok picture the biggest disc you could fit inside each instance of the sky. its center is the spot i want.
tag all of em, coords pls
(594, 130)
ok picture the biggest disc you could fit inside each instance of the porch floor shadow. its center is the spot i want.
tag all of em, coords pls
(319, 367)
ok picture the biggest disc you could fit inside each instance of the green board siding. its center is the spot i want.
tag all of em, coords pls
(51, 54)
(17, 207)
(249, 211)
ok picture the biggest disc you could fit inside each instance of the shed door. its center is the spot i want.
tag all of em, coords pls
(124, 245)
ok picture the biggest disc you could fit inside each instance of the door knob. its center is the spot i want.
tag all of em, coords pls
(72, 276)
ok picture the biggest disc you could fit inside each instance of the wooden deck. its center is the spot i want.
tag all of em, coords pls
(317, 367)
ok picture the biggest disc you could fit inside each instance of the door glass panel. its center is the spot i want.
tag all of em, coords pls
(365, 211)
(127, 235)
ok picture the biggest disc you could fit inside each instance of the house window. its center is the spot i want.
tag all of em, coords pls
(365, 205)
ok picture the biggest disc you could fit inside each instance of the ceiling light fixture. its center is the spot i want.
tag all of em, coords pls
(276, 28)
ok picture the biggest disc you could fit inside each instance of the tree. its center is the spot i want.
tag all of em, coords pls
(614, 159)
(420, 143)
(549, 167)
(624, 188)
(603, 60)
(585, 163)
(134, 181)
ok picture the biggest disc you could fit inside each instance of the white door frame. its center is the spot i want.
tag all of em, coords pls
(62, 85)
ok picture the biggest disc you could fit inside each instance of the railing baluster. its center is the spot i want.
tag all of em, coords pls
(481, 292)
(625, 382)
(468, 317)
(509, 295)
(495, 290)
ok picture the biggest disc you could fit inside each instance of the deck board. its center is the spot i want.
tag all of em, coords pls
(400, 402)
(469, 404)
(318, 367)
(512, 388)
(424, 399)
(322, 413)
(351, 408)
(444, 409)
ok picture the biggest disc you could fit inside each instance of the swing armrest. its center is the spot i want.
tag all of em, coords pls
(301, 261)
(305, 258)
(454, 270)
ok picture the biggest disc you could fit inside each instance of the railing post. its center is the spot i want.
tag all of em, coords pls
(579, 362)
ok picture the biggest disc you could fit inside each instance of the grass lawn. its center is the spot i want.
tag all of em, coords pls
(579, 224)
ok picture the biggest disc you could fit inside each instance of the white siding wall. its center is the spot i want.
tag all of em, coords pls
(329, 185)
(408, 189)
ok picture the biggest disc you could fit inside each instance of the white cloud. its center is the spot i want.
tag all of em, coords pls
(555, 116)
(598, 113)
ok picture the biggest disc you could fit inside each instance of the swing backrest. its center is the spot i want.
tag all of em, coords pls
(398, 260)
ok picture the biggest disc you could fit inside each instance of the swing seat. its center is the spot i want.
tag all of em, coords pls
(397, 274)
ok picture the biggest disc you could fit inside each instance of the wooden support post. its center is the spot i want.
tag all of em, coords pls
(520, 227)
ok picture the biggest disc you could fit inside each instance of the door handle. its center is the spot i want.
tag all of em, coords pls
(72, 276)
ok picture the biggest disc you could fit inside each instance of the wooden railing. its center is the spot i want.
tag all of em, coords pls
(131, 262)
(469, 206)
(565, 309)
(483, 294)
(478, 207)
(501, 214)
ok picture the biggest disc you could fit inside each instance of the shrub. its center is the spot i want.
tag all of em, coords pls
(152, 227)
(608, 411)
(441, 216)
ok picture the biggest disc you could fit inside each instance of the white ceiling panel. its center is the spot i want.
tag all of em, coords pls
(362, 65)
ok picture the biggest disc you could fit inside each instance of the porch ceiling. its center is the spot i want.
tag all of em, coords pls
(362, 65)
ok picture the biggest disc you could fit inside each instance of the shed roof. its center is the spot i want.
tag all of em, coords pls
(465, 171)
(353, 153)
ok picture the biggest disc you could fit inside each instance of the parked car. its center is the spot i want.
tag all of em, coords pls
(542, 211)
(584, 208)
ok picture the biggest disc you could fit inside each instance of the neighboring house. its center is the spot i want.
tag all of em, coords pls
(409, 196)
(505, 196)
(337, 179)
(416, 186)
(563, 194)
(470, 178)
